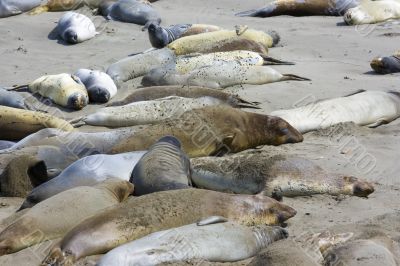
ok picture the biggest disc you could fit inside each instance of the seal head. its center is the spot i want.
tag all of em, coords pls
(77, 101)
(70, 36)
(158, 36)
(386, 65)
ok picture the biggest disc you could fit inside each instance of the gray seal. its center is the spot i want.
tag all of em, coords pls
(13, 99)
(15, 7)
(164, 167)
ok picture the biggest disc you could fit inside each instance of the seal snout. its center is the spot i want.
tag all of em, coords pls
(99, 95)
(286, 133)
(362, 189)
(77, 101)
(378, 65)
(70, 36)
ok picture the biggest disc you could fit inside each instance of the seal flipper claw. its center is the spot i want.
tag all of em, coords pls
(211, 220)
(15, 88)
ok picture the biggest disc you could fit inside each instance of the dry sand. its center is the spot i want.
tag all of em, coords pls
(334, 56)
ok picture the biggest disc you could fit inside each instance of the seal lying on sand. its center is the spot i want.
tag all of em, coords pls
(364, 108)
(302, 8)
(54, 217)
(15, 7)
(214, 130)
(164, 167)
(14, 99)
(64, 5)
(369, 12)
(217, 76)
(152, 93)
(75, 28)
(164, 210)
(387, 64)
(275, 176)
(16, 123)
(99, 85)
(87, 171)
(212, 239)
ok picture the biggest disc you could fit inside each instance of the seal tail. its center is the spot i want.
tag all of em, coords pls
(246, 104)
(248, 13)
(38, 10)
(294, 77)
(272, 61)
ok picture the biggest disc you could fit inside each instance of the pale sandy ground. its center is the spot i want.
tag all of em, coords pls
(334, 56)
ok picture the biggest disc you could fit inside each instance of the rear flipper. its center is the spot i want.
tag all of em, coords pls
(38, 10)
(378, 123)
(272, 61)
(249, 13)
(294, 77)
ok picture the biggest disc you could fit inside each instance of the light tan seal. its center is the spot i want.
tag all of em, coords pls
(369, 12)
(64, 5)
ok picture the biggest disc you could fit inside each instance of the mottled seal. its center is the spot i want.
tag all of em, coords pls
(140, 64)
(161, 36)
(87, 171)
(217, 76)
(54, 217)
(302, 8)
(387, 64)
(64, 5)
(131, 11)
(212, 239)
(214, 130)
(140, 216)
(368, 12)
(14, 99)
(100, 87)
(364, 108)
(75, 28)
(15, 7)
(152, 93)
(16, 123)
(164, 167)
(63, 89)
(274, 176)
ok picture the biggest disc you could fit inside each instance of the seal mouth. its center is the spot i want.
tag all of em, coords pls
(77, 101)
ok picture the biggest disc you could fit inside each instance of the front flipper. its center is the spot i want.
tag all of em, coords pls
(39, 10)
(212, 220)
(378, 123)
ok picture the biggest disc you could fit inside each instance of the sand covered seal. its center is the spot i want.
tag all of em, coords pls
(386, 64)
(214, 130)
(217, 76)
(16, 123)
(87, 171)
(140, 64)
(64, 5)
(54, 217)
(364, 108)
(13, 99)
(63, 89)
(75, 28)
(100, 87)
(211, 239)
(302, 8)
(15, 7)
(164, 167)
(368, 12)
(157, 92)
(274, 176)
(140, 216)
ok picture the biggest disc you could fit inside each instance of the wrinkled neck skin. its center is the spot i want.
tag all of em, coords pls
(266, 235)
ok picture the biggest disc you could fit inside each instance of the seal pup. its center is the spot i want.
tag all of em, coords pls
(141, 216)
(387, 64)
(364, 108)
(87, 171)
(164, 167)
(301, 8)
(100, 87)
(63, 89)
(214, 130)
(274, 176)
(218, 76)
(157, 92)
(145, 112)
(15, 7)
(161, 36)
(13, 99)
(369, 12)
(140, 64)
(75, 28)
(211, 239)
(64, 5)
(54, 217)
(16, 123)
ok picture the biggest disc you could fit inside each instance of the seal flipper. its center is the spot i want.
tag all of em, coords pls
(294, 77)
(211, 220)
(248, 13)
(272, 61)
(354, 93)
(15, 88)
(39, 10)
(378, 123)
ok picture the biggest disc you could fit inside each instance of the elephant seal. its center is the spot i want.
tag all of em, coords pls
(164, 167)
(140, 216)
(75, 28)
(274, 176)
(87, 171)
(16, 123)
(63, 89)
(369, 12)
(386, 65)
(15, 7)
(152, 93)
(217, 76)
(140, 64)
(64, 5)
(131, 11)
(211, 239)
(100, 87)
(5, 144)
(13, 99)
(302, 8)
(146, 112)
(56, 216)
(214, 130)
(364, 108)
(161, 36)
